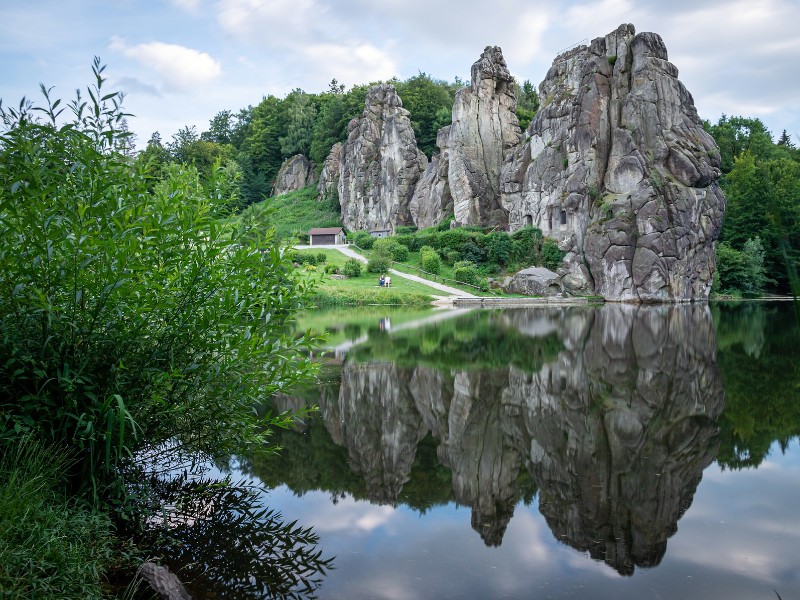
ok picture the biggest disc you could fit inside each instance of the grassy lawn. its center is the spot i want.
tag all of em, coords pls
(364, 289)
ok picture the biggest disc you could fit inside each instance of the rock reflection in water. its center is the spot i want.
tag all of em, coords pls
(615, 429)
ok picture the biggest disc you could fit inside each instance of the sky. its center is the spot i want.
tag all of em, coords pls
(180, 62)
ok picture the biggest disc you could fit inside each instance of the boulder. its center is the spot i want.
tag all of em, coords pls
(295, 173)
(617, 168)
(380, 164)
(534, 281)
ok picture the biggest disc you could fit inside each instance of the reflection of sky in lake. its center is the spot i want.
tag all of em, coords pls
(738, 540)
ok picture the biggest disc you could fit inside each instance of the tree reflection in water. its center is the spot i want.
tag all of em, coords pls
(224, 543)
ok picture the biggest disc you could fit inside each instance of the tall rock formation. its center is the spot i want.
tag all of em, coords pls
(329, 176)
(295, 173)
(617, 168)
(473, 149)
(380, 164)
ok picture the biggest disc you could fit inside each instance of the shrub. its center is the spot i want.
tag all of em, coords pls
(452, 257)
(321, 258)
(352, 268)
(131, 316)
(472, 252)
(409, 241)
(405, 229)
(331, 269)
(498, 247)
(551, 255)
(431, 262)
(466, 272)
(379, 261)
(397, 251)
(364, 240)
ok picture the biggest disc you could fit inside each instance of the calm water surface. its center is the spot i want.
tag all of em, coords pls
(607, 452)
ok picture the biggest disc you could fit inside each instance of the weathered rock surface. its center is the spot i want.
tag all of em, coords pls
(295, 173)
(533, 281)
(329, 176)
(465, 178)
(380, 164)
(432, 201)
(617, 168)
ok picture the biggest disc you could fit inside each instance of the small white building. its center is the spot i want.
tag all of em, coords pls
(327, 236)
(380, 233)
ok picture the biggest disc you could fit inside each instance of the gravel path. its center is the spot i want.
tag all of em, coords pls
(438, 286)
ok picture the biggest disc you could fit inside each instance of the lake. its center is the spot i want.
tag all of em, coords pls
(616, 451)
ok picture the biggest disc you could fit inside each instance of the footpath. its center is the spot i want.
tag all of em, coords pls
(353, 254)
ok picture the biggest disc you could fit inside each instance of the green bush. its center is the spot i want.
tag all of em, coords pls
(498, 248)
(405, 229)
(452, 257)
(352, 268)
(430, 261)
(130, 317)
(408, 240)
(551, 255)
(321, 258)
(379, 261)
(329, 269)
(398, 251)
(472, 252)
(363, 240)
(466, 272)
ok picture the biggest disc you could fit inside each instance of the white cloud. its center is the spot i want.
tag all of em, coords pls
(270, 22)
(350, 64)
(178, 67)
(187, 5)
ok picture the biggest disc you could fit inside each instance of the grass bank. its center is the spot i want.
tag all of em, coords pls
(361, 290)
(50, 547)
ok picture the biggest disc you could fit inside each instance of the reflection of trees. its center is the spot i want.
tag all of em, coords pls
(223, 542)
(759, 350)
(609, 412)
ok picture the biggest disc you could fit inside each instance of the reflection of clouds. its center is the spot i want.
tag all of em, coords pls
(346, 515)
(745, 523)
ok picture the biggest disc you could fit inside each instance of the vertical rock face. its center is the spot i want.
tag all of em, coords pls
(329, 176)
(484, 128)
(464, 178)
(295, 173)
(617, 168)
(432, 201)
(380, 164)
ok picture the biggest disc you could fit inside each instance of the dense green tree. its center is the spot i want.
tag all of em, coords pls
(430, 103)
(736, 135)
(220, 128)
(764, 201)
(260, 155)
(335, 113)
(300, 129)
(527, 103)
